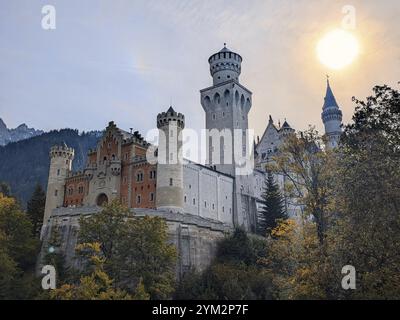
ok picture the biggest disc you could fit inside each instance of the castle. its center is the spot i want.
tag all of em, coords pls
(200, 203)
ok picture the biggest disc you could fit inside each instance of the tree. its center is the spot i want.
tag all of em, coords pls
(95, 286)
(380, 113)
(273, 207)
(135, 249)
(35, 209)
(296, 262)
(5, 189)
(367, 231)
(235, 272)
(18, 251)
(308, 170)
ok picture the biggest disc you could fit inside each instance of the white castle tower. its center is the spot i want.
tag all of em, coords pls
(227, 104)
(170, 165)
(61, 158)
(332, 118)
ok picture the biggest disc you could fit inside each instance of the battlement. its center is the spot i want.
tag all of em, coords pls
(227, 61)
(164, 118)
(62, 151)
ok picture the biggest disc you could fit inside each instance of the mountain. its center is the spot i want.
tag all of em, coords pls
(19, 133)
(25, 163)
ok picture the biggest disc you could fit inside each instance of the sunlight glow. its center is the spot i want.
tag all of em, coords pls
(337, 49)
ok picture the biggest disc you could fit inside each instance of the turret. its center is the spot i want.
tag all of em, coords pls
(225, 65)
(332, 118)
(170, 167)
(61, 158)
(286, 129)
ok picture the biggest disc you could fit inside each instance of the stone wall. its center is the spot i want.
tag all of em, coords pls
(195, 237)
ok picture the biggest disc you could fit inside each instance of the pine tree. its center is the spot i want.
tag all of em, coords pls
(272, 208)
(5, 189)
(35, 209)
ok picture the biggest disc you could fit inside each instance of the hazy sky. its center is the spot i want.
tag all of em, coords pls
(126, 60)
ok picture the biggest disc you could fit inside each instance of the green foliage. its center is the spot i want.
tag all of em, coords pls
(95, 286)
(234, 274)
(5, 189)
(18, 251)
(273, 207)
(135, 250)
(35, 209)
(379, 114)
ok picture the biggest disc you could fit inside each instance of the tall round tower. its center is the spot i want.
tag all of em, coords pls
(170, 167)
(61, 158)
(225, 65)
(332, 118)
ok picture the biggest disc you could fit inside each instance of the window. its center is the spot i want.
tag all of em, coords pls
(213, 206)
(170, 181)
(205, 204)
(80, 189)
(139, 176)
(138, 199)
(214, 116)
(56, 193)
(126, 156)
(223, 209)
(151, 196)
(184, 199)
(194, 201)
(58, 172)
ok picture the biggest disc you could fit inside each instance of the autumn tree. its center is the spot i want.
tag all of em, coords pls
(97, 285)
(135, 249)
(307, 170)
(18, 251)
(272, 206)
(368, 196)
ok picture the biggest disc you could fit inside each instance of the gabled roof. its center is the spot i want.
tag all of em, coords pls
(270, 124)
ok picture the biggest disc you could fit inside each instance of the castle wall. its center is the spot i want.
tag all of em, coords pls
(195, 238)
(207, 193)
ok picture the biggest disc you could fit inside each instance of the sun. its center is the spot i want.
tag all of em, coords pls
(337, 49)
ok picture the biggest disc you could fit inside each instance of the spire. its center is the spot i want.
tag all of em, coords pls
(329, 100)
(331, 117)
(270, 121)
